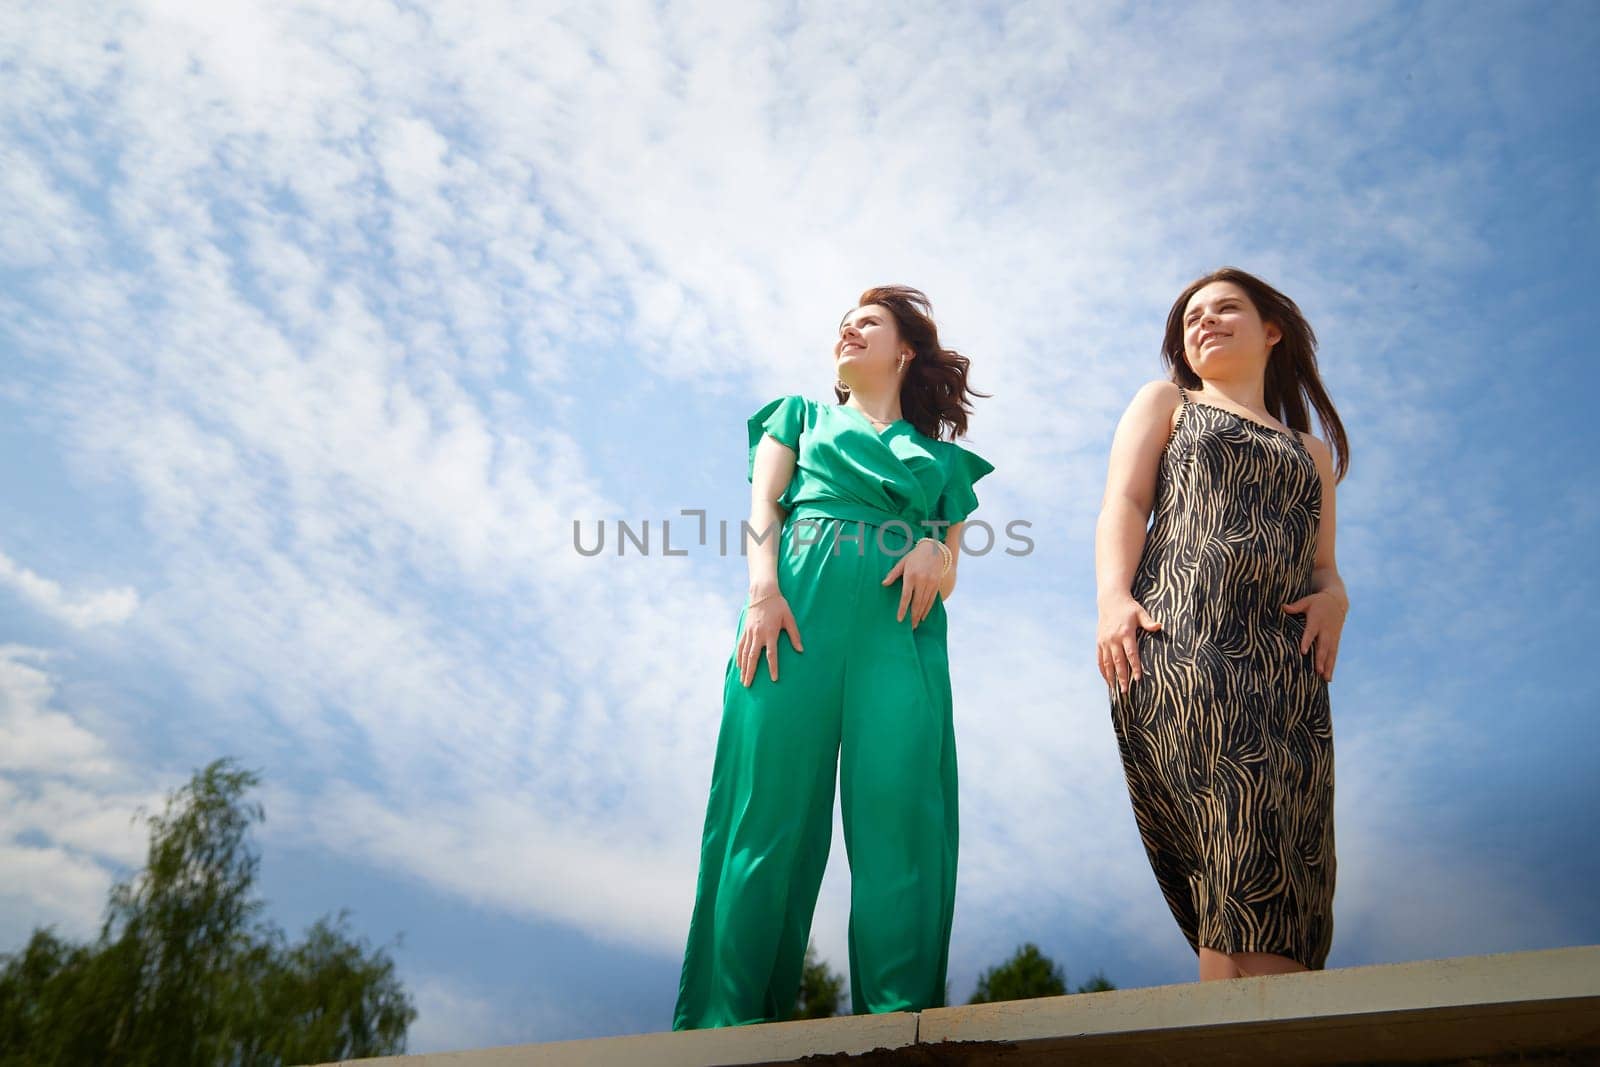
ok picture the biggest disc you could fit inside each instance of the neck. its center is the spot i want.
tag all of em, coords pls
(880, 400)
(1246, 393)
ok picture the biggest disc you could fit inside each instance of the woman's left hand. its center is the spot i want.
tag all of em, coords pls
(920, 571)
(1324, 612)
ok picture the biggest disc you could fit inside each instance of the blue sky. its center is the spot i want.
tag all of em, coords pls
(319, 326)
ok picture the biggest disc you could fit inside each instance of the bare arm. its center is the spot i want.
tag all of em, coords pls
(768, 613)
(1131, 488)
(1327, 604)
(1130, 493)
(1325, 571)
(774, 468)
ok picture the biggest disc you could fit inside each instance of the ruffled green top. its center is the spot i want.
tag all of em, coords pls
(844, 468)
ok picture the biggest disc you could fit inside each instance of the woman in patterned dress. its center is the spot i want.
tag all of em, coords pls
(1219, 626)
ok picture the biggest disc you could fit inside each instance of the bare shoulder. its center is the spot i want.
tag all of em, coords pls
(1160, 393)
(1157, 403)
(1319, 451)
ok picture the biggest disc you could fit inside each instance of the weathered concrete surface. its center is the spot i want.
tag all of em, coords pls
(1524, 1007)
(1480, 1007)
(772, 1043)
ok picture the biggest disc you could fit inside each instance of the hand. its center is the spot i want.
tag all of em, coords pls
(1324, 612)
(920, 571)
(1117, 641)
(763, 623)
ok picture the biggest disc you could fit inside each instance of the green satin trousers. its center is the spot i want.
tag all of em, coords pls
(867, 701)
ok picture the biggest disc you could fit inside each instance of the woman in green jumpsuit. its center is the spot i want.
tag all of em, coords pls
(867, 495)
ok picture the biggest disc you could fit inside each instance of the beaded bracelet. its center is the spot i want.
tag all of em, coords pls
(944, 551)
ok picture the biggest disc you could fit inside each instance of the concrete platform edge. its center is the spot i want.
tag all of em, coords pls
(1520, 987)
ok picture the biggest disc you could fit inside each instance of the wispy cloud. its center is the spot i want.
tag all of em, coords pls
(67, 804)
(363, 305)
(81, 611)
(450, 1017)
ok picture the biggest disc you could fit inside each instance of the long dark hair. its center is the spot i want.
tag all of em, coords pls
(1292, 376)
(934, 395)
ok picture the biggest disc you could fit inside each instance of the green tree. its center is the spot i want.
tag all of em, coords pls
(1030, 973)
(1097, 983)
(186, 972)
(820, 989)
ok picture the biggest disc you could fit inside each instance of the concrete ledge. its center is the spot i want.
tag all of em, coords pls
(769, 1043)
(1509, 1008)
(1480, 1007)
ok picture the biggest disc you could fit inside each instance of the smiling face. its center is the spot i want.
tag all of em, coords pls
(1223, 334)
(869, 344)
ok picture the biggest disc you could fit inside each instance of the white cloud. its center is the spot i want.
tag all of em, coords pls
(1409, 886)
(36, 737)
(451, 1018)
(50, 887)
(66, 805)
(108, 607)
(455, 1015)
(368, 287)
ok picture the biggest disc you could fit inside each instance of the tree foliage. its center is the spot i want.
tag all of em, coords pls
(1030, 973)
(1097, 983)
(186, 972)
(821, 990)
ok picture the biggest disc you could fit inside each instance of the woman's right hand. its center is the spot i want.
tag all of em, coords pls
(1117, 640)
(762, 624)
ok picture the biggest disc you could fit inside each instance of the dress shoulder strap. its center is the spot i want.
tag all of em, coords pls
(1183, 414)
(1183, 409)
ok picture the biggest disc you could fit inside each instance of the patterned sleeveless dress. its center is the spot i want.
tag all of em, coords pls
(1226, 741)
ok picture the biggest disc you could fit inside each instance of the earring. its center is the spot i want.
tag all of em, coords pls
(838, 383)
(902, 368)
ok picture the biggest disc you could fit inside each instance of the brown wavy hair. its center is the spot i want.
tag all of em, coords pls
(1292, 377)
(935, 396)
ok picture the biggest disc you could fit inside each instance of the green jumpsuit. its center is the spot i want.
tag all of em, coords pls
(869, 698)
